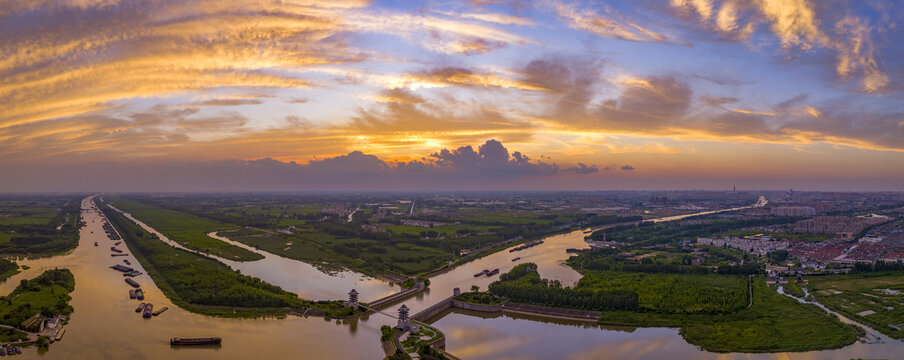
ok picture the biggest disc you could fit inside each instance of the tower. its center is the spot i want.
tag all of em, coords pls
(404, 322)
(353, 299)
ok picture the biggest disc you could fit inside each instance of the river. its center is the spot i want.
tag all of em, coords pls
(105, 326)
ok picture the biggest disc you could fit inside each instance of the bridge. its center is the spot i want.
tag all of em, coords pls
(419, 286)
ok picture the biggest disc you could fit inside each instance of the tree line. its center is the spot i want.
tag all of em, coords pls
(523, 284)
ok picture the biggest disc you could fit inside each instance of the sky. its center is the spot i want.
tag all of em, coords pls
(239, 95)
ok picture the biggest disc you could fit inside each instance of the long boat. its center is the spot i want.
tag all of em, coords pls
(158, 312)
(140, 307)
(122, 268)
(195, 341)
(131, 282)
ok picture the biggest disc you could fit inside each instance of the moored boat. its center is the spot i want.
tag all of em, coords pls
(195, 341)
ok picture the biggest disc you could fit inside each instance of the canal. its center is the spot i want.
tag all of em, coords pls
(105, 325)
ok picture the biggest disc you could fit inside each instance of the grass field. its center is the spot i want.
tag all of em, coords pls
(188, 230)
(874, 299)
(774, 323)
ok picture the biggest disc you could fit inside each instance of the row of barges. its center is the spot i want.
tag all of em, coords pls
(487, 272)
(526, 246)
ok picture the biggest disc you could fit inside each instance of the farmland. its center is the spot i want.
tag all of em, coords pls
(874, 299)
(190, 231)
(38, 225)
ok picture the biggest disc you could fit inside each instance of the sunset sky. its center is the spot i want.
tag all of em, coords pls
(430, 95)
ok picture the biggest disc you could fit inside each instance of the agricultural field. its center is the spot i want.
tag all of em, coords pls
(38, 225)
(382, 236)
(188, 230)
(874, 299)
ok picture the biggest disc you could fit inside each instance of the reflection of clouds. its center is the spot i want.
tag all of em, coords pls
(651, 348)
(491, 346)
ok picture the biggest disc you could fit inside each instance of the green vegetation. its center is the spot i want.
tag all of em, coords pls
(399, 355)
(422, 338)
(429, 353)
(204, 285)
(7, 335)
(38, 225)
(386, 333)
(793, 288)
(675, 293)
(711, 309)
(774, 323)
(47, 294)
(8, 269)
(476, 297)
(188, 230)
(523, 284)
(875, 299)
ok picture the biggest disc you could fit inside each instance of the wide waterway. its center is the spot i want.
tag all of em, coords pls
(105, 325)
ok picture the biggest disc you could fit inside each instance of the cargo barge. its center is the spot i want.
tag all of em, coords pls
(147, 311)
(122, 268)
(139, 294)
(132, 282)
(132, 294)
(526, 246)
(195, 341)
(140, 307)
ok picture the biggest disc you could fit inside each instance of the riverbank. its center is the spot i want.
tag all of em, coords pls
(205, 285)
